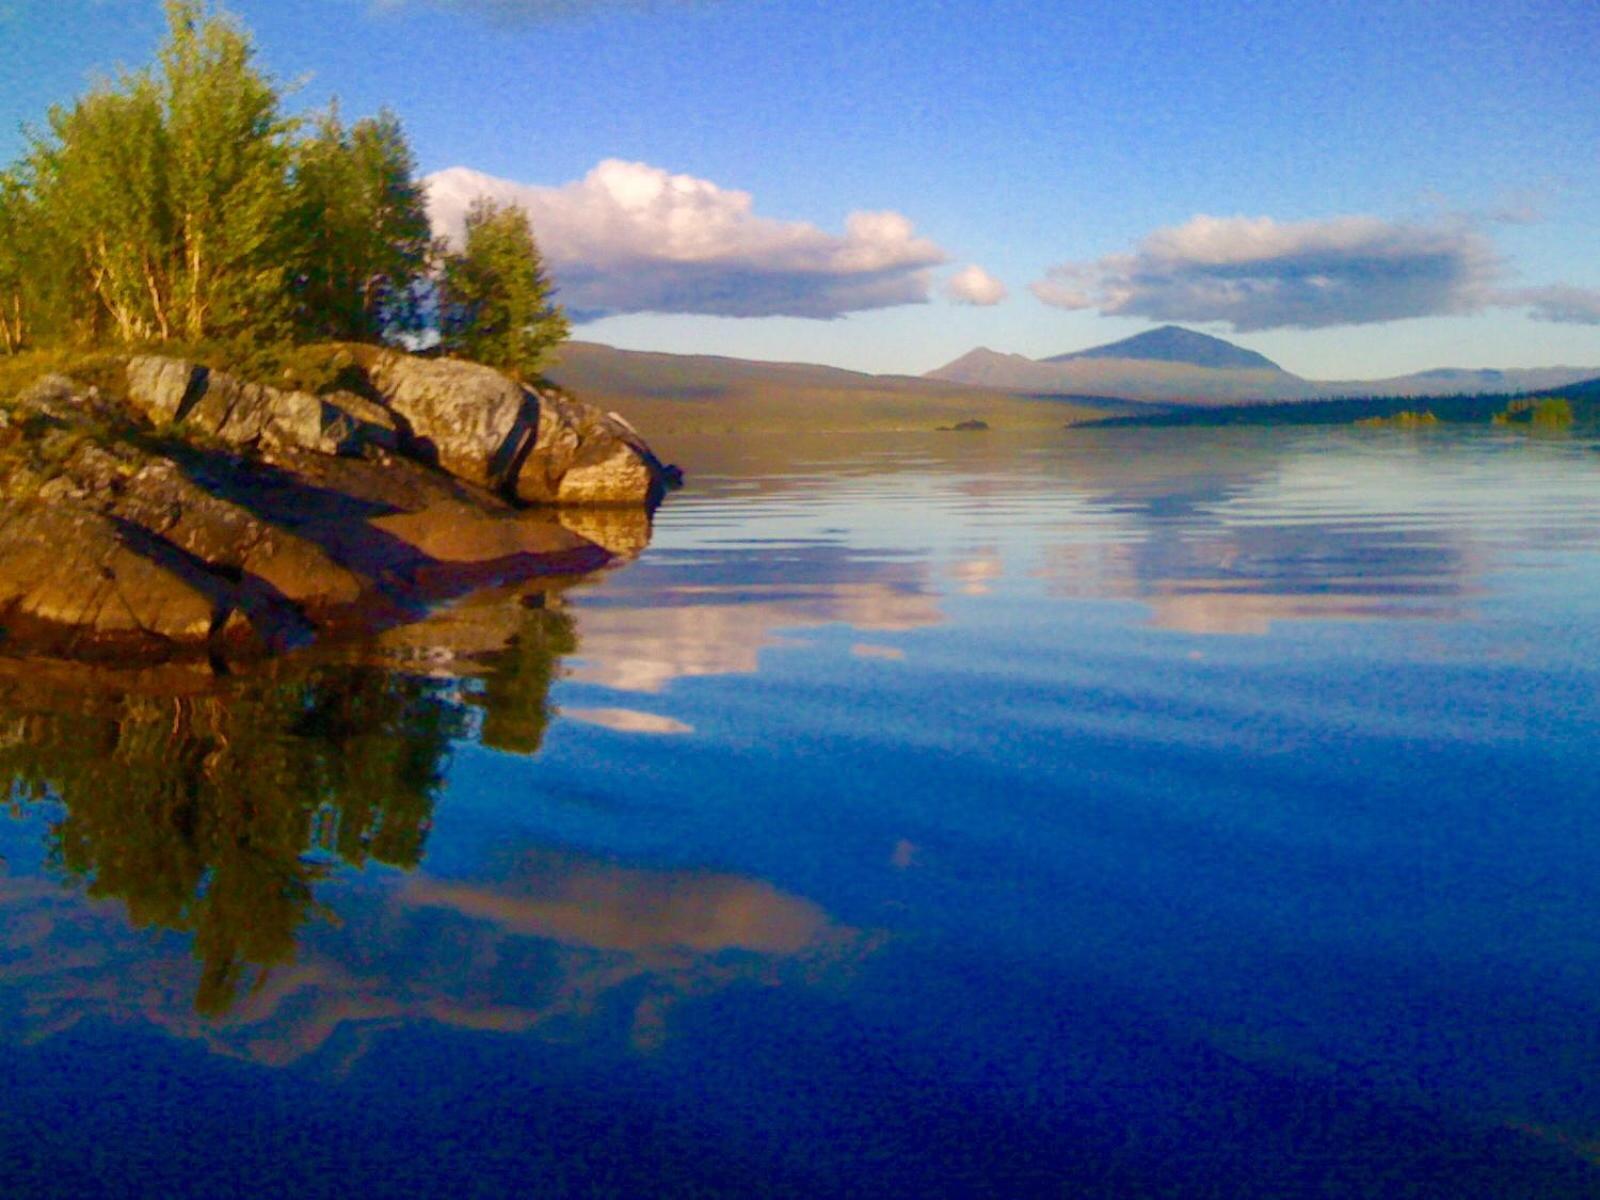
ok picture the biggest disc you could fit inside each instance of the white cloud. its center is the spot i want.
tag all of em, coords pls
(629, 237)
(1560, 302)
(974, 285)
(1257, 273)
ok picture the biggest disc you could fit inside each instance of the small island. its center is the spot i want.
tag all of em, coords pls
(246, 398)
(1538, 412)
(1400, 420)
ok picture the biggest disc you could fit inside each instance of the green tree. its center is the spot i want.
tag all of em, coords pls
(227, 180)
(19, 250)
(100, 190)
(168, 192)
(1541, 412)
(364, 234)
(495, 301)
(178, 202)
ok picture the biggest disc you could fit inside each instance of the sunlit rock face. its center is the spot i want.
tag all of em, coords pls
(534, 443)
(193, 513)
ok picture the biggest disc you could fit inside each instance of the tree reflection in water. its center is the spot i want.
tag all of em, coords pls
(516, 690)
(213, 810)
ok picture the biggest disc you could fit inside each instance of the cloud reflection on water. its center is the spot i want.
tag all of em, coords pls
(546, 947)
(651, 630)
(1235, 545)
(628, 720)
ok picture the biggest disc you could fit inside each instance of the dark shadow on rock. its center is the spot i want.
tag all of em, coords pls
(334, 521)
(193, 393)
(272, 516)
(509, 459)
(275, 623)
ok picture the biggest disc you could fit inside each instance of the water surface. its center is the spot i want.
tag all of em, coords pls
(1135, 813)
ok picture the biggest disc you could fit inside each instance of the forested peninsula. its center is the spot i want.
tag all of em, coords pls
(247, 398)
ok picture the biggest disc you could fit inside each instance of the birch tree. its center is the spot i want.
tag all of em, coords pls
(364, 238)
(495, 299)
(227, 186)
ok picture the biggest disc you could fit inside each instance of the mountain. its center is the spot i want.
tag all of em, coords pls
(1172, 365)
(984, 367)
(1173, 344)
(668, 395)
(1168, 365)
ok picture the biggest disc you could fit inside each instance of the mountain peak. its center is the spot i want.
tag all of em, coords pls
(983, 354)
(1175, 344)
(982, 366)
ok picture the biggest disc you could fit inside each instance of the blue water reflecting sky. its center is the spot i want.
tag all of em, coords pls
(1151, 812)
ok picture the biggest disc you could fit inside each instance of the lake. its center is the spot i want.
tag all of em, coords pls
(1122, 813)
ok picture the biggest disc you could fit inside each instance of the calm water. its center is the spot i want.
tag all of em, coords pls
(1149, 813)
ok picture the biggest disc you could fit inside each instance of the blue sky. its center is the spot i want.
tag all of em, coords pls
(1355, 190)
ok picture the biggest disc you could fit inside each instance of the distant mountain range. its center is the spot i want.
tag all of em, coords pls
(1172, 365)
(670, 395)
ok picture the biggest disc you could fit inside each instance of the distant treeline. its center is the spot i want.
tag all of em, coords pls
(1475, 409)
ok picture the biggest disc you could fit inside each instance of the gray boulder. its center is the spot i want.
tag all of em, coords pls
(536, 444)
(168, 391)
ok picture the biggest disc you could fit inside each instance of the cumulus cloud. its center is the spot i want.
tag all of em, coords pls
(1560, 302)
(974, 285)
(1257, 273)
(629, 237)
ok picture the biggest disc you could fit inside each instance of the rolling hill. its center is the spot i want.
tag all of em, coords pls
(672, 394)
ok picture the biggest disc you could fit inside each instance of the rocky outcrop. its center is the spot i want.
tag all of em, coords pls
(169, 392)
(200, 515)
(536, 444)
(66, 573)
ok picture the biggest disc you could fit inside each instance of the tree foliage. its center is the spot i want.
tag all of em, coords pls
(1541, 412)
(180, 203)
(226, 186)
(363, 227)
(21, 251)
(163, 195)
(495, 302)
